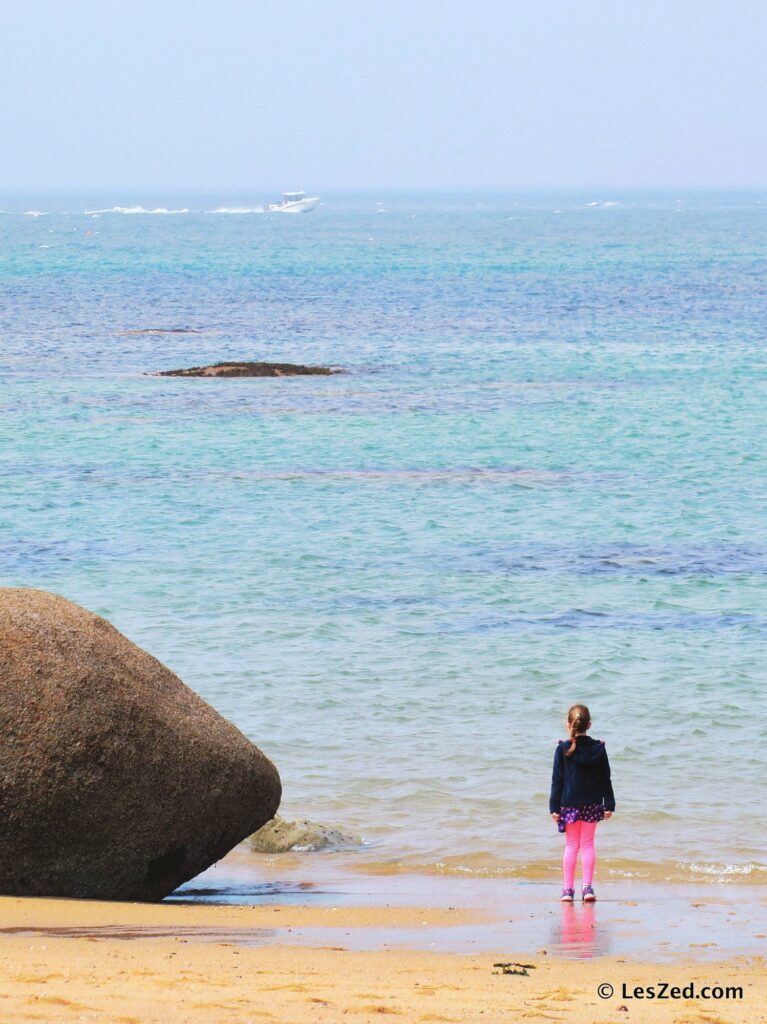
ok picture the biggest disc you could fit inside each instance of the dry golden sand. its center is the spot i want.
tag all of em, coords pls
(46, 977)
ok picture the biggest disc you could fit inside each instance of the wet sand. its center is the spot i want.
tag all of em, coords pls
(631, 918)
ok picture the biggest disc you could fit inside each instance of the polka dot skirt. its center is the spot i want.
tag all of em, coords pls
(586, 812)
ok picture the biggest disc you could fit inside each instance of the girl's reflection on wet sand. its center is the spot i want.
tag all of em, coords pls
(577, 933)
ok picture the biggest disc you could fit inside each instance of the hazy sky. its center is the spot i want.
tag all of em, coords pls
(220, 95)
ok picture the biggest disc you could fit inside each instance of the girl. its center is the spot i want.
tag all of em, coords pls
(581, 795)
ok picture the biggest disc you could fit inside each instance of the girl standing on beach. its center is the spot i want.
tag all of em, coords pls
(581, 795)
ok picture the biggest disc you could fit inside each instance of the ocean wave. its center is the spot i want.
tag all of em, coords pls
(487, 866)
(723, 871)
(134, 209)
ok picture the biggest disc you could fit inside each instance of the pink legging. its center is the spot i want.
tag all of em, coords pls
(579, 835)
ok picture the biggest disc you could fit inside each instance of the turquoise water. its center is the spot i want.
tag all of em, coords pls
(543, 480)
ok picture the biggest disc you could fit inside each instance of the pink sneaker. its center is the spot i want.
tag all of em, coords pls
(568, 895)
(587, 894)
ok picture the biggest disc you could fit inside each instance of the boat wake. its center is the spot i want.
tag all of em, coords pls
(237, 209)
(134, 209)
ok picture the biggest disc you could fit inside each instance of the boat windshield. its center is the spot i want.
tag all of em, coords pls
(292, 197)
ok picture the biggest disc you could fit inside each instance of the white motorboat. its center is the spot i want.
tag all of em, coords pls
(293, 202)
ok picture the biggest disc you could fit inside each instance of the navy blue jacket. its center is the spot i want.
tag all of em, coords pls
(582, 778)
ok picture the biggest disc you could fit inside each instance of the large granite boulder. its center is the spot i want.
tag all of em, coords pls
(116, 780)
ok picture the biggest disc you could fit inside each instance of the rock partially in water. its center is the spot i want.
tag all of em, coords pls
(163, 330)
(279, 836)
(247, 369)
(116, 780)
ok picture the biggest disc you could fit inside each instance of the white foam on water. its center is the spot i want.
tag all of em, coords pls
(134, 209)
(237, 209)
(35, 213)
(721, 870)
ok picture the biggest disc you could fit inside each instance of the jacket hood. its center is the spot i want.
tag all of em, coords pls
(587, 750)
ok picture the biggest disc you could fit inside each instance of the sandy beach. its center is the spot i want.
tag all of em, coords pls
(131, 963)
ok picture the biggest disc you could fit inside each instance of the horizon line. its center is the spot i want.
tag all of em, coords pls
(369, 189)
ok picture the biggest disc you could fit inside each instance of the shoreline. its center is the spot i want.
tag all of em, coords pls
(631, 917)
(311, 900)
(612, 869)
(371, 860)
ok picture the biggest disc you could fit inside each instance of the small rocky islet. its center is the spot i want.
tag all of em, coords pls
(251, 369)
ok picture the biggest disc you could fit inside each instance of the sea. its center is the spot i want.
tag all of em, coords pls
(541, 479)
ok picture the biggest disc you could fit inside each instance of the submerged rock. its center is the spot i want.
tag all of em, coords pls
(164, 330)
(116, 780)
(279, 836)
(246, 369)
